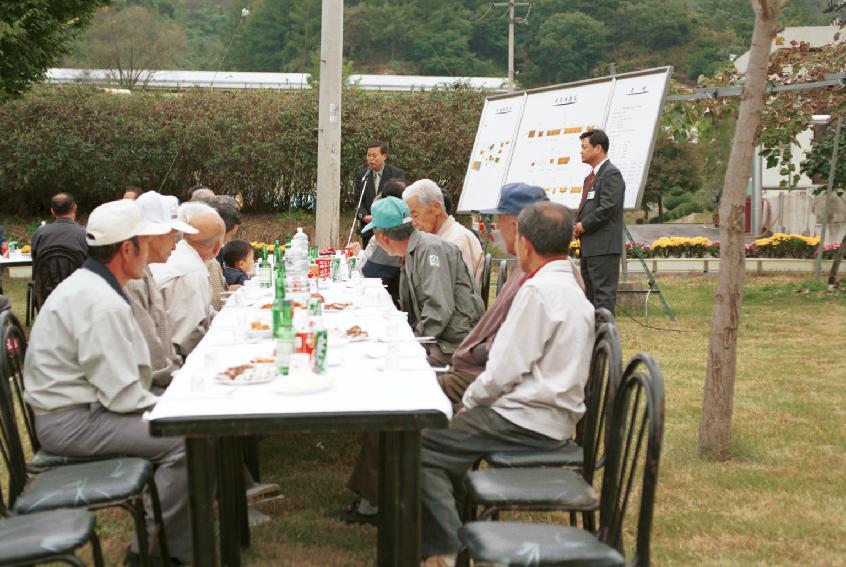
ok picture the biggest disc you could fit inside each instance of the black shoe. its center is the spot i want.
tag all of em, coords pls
(352, 515)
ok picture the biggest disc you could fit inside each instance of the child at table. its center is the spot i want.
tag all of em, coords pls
(238, 257)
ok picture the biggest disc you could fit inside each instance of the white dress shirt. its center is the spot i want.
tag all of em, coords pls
(184, 281)
(471, 251)
(85, 347)
(539, 363)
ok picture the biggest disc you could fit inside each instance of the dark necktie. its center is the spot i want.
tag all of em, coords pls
(587, 186)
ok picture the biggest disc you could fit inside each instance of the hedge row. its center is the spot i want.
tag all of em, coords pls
(262, 144)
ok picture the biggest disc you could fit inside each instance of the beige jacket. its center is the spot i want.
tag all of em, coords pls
(147, 303)
(539, 363)
(471, 251)
(85, 347)
(184, 282)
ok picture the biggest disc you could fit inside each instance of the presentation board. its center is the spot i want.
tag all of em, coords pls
(543, 148)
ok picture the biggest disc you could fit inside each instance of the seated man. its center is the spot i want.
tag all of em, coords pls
(239, 262)
(64, 231)
(380, 264)
(435, 286)
(87, 370)
(184, 279)
(144, 295)
(531, 393)
(472, 355)
(442, 302)
(232, 222)
(428, 213)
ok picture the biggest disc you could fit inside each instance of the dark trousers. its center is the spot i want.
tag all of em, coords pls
(447, 455)
(601, 275)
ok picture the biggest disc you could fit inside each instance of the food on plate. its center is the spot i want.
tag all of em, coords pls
(336, 306)
(327, 252)
(259, 326)
(356, 332)
(266, 306)
(264, 360)
(233, 372)
(318, 296)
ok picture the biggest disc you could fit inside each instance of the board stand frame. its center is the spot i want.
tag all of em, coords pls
(652, 282)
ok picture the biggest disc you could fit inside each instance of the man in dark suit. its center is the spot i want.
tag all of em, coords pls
(599, 223)
(372, 179)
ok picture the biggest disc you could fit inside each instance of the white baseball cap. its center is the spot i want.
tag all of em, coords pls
(117, 221)
(163, 209)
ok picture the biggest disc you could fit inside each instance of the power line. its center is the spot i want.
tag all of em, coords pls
(244, 13)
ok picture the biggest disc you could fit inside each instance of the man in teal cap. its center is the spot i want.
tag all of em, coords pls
(442, 301)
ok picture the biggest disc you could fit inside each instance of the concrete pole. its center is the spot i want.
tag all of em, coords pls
(329, 125)
(511, 46)
(831, 173)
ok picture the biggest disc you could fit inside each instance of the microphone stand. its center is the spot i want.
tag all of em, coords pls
(360, 199)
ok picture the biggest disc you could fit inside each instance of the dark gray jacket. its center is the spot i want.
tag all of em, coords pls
(602, 215)
(438, 292)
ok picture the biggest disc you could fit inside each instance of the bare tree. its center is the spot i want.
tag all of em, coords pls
(718, 400)
(133, 43)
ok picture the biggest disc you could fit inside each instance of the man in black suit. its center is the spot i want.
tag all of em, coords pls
(373, 178)
(599, 223)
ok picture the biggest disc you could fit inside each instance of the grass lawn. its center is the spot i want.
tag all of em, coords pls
(780, 500)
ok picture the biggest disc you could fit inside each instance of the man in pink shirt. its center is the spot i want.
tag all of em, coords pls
(470, 358)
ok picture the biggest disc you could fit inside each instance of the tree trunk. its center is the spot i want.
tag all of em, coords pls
(718, 399)
(660, 209)
(832, 275)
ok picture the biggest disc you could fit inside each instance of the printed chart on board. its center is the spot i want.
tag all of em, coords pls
(491, 153)
(546, 151)
(545, 143)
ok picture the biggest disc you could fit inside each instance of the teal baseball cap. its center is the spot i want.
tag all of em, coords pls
(388, 212)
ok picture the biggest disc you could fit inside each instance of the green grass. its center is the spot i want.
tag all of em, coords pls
(779, 499)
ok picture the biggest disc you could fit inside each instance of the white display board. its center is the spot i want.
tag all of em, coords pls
(545, 143)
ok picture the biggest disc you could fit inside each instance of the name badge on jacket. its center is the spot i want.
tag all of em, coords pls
(591, 195)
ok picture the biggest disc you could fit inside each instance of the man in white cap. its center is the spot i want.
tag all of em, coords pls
(184, 278)
(87, 370)
(144, 295)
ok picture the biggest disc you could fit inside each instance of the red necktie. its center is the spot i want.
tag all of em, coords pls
(588, 183)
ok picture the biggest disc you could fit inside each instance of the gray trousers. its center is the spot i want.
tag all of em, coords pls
(601, 275)
(447, 455)
(80, 432)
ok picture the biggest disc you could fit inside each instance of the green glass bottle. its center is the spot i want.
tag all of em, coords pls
(263, 269)
(277, 252)
(277, 306)
(285, 339)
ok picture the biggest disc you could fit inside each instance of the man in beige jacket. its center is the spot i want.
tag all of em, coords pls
(428, 214)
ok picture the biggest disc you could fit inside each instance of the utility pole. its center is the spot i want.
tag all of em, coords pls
(511, 19)
(329, 125)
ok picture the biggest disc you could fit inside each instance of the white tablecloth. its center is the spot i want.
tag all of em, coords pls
(386, 372)
(22, 260)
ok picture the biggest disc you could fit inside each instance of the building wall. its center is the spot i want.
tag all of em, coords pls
(800, 212)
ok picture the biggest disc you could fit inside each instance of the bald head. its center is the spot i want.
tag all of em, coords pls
(209, 239)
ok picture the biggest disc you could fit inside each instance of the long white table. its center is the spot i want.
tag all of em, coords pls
(13, 262)
(380, 384)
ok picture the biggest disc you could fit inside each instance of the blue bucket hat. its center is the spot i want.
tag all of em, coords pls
(514, 197)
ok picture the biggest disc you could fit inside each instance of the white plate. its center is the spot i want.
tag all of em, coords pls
(303, 384)
(258, 374)
(259, 334)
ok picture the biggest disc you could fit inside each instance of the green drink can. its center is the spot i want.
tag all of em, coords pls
(315, 307)
(321, 348)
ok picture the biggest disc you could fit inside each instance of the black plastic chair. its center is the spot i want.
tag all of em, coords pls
(51, 267)
(46, 537)
(573, 456)
(502, 276)
(561, 488)
(634, 450)
(102, 483)
(486, 280)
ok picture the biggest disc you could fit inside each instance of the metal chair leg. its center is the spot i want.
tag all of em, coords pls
(136, 509)
(96, 550)
(157, 518)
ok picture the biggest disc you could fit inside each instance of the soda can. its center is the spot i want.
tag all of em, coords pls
(351, 263)
(321, 348)
(336, 269)
(315, 307)
(304, 342)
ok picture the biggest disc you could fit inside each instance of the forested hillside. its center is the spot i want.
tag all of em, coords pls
(561, 40)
